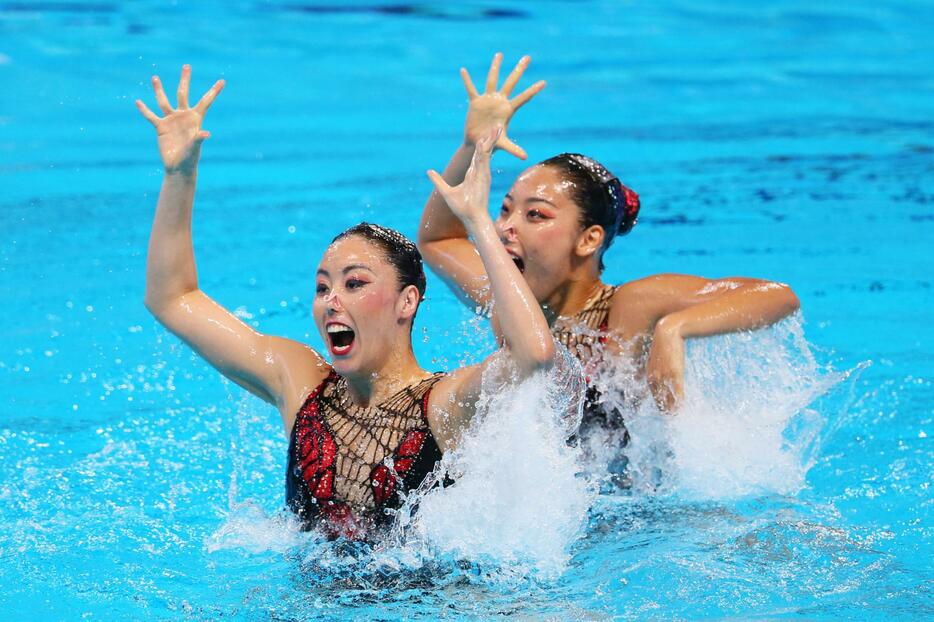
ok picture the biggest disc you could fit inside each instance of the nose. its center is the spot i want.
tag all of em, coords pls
(506, 228)
(332, 303)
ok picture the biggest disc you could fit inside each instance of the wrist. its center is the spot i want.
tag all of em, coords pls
(185, 173)
(479, 226)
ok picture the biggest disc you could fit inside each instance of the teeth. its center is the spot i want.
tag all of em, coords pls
(338, 328)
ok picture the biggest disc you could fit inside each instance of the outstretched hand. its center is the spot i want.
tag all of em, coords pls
(179, 131)
(493, 108)
(470, 199)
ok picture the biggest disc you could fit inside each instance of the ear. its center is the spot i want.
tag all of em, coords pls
(407, 302)
(589, 241)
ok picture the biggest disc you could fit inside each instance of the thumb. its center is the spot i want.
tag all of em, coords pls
(486, 143)
(440, 185)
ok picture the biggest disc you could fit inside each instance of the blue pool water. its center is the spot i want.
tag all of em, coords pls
(789, 140)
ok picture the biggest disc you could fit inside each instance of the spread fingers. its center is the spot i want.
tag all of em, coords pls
(515, 74)
(161, 99)
(183, 87)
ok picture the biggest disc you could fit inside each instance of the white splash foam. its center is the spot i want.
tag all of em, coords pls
(517, 501)
(249, 528)
(746, 425)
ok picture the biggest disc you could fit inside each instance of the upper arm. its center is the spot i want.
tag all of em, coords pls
(264, 365)
(454, 399)
(638, 305)
(458, 263)
(453, 403)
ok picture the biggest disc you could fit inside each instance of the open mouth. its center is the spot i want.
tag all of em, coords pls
(340, 339)
(519, 262)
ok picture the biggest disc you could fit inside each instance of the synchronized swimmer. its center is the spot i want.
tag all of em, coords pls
(370, 425)
(556, 222)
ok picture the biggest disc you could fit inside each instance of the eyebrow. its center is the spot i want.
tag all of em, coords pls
(532, 200)
(353, 266)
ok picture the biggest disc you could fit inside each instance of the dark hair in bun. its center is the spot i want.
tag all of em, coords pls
(399, 251)
(602, 199)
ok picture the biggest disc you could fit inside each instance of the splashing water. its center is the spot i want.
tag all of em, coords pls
(518, 500)
(247, 527)
(517, 504)
(748, 423)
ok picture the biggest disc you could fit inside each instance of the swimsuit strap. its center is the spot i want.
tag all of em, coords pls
(426, 386)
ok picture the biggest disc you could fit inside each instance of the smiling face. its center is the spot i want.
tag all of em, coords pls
(359, 310)
(539, 224)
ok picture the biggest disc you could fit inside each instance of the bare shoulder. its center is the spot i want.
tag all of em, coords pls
(450, 391)
(636, 305)
(300, 369)
(647, 291)
(657, 285)
(452, 404)
(292, 352)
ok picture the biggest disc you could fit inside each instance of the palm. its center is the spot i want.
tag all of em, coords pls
(178, 138)
(179, 131)
(470, 198)
(486, 112)
(493, 108)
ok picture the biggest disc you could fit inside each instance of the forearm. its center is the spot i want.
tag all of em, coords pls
(521, 321)
(438, 222)
(750, 306)
(170, 265)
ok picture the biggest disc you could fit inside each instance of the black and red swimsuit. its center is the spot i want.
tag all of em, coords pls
(348, 465)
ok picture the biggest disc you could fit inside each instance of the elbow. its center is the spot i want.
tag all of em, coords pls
(545, 357)
(775, 301)
(151, 303)
(541, 357)
(790, 301)
(160, 304)
(426, 247)
(154, 304)
(166, 286)
(424, 238)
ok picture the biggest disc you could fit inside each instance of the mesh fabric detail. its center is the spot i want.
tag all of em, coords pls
(347, 462)
(580, 333)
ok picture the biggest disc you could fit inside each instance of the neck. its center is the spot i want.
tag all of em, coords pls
(373, 386)
(571, 295)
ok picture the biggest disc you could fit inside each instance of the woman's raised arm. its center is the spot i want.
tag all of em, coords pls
(272, 368)
(523, 326)
(442, 237)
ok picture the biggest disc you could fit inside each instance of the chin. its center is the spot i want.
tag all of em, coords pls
(345, 366)
(537, 287)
